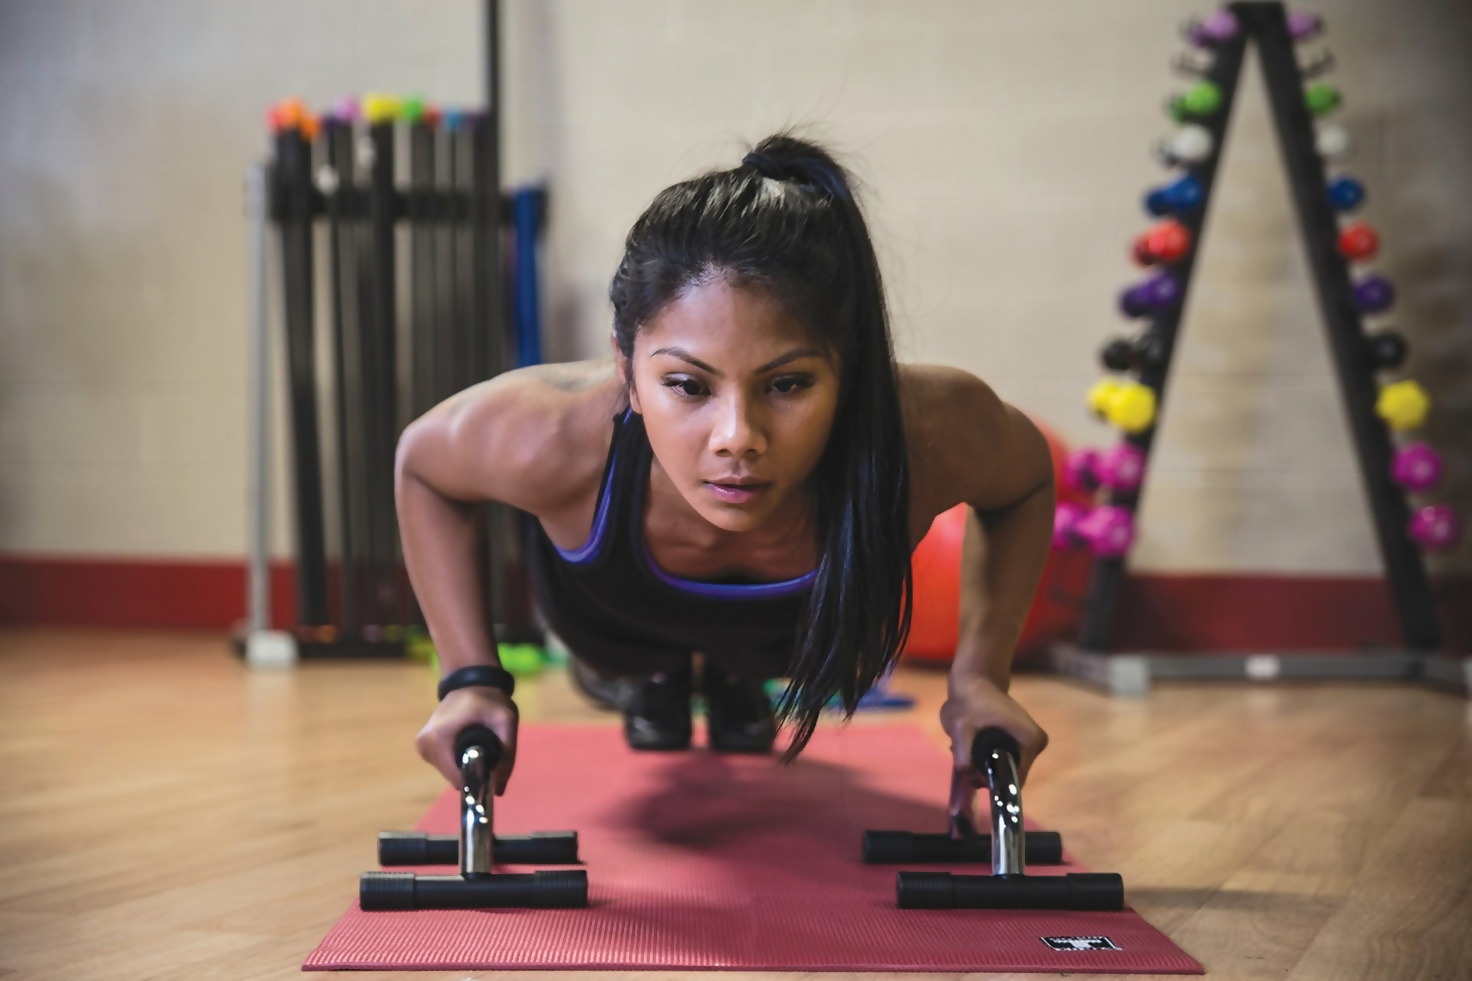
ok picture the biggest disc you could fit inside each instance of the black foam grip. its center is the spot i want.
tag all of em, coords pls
(903, 847)
(378, 891)
(479, 735)
(1086, 891)
(993, 738)
(538, 848)
(412, 848)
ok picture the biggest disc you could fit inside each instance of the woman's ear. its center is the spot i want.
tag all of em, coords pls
(624, 373)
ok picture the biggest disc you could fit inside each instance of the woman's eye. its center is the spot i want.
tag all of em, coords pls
(792, 383)
(686, 387)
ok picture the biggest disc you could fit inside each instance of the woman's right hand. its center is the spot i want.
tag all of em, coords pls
(463, 707)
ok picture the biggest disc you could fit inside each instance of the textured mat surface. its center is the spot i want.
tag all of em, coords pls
(708, 862)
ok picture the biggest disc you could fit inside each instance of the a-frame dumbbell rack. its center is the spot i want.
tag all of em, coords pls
(1266, 25)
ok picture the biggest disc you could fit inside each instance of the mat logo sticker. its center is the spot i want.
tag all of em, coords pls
(1080, 943)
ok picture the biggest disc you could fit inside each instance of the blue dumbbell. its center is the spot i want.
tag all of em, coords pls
(1346, 194)
(1174, 198)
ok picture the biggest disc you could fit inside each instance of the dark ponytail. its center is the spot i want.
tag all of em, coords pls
(786, 222)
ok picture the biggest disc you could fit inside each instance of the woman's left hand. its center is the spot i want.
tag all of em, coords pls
(976, 704)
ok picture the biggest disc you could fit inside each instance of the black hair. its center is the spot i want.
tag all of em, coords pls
(786, 222)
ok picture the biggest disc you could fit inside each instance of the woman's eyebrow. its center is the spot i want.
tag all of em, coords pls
(684, 355)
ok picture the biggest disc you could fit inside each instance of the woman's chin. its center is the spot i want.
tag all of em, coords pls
(733, 517)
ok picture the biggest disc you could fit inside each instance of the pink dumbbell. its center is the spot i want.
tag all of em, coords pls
(1066, 517)
(1122, 467)
(1107, 531)
(1081, 470)
(1119, 468)
(1435, 526)
(1416, 467)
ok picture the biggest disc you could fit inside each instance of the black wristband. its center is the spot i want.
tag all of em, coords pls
(478, 674)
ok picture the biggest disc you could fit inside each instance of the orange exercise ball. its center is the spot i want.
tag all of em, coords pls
(1057, 606)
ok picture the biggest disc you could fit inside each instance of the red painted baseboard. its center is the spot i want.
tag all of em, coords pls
(112, 593)
(1156, 612)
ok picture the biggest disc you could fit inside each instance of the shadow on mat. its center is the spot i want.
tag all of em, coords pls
(708, 801)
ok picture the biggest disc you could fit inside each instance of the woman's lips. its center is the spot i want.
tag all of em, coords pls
(736, 493)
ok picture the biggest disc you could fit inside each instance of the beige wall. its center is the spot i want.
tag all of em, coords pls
(1004, 146)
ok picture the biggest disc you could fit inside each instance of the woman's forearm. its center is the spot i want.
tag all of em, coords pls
(442, 552)
(1002, 558)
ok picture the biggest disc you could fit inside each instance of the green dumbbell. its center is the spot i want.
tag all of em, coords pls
(1321, 99)
(1202, 99)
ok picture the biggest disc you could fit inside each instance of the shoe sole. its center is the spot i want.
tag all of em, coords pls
(657, 745)
(740, 744)
(606, 693)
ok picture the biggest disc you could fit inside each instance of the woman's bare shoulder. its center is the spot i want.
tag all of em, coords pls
(535, 437)
(932, 399)
(964, 443)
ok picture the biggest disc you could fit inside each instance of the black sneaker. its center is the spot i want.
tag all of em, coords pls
(738, 714)
(657, 715)
(604, 692)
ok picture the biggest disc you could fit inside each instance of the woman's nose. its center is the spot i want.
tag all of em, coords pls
(738, 431)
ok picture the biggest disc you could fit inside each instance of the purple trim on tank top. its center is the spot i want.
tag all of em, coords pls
(586, 552)
(727, 590)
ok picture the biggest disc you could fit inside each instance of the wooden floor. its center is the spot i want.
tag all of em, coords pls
(168, 814)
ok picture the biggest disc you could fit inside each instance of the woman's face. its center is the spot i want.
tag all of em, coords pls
(737, 399)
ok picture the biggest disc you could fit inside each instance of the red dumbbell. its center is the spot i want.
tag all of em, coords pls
(1167, 242)
(1357, 241)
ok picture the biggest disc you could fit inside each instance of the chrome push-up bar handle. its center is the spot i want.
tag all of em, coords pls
(476, 887)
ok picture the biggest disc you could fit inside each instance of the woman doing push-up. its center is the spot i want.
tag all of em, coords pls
(745, 479)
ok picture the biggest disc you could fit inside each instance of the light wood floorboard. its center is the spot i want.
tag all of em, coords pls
(169, 814)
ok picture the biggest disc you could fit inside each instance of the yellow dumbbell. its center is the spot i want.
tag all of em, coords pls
(379, 108)
(1128, 405)
(1102, 394)
(1403, 405)
(1133, 409)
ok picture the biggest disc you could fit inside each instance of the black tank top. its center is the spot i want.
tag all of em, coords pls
(610, 591)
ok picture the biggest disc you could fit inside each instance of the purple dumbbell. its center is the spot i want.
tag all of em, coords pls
(1121, 468)
(1109, 531)
(347, 109)
(1150, 296)
(1374, 294)
(1217, 27)
(1435, 526)
(1066, 517)
(1416, 467)
(1304, 26)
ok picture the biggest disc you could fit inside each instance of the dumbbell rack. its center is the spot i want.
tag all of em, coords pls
(411, 273)
(1266, 24)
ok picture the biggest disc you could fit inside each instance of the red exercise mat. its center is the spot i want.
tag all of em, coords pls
(700, 861)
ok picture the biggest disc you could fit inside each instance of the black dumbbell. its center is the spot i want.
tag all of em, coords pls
(478, 749)
(995, 752)
(1145, 351)
(1385, 349)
